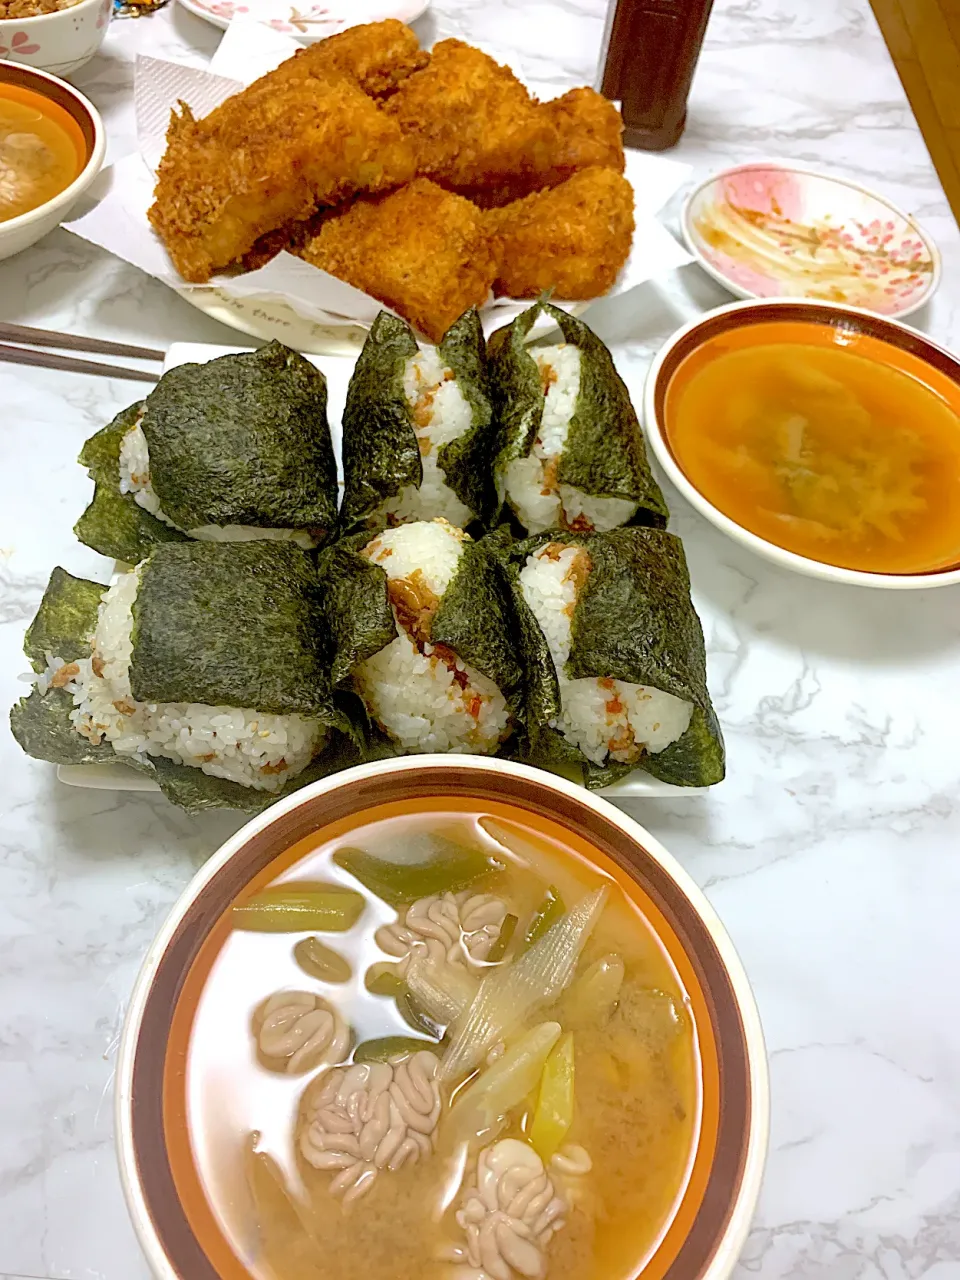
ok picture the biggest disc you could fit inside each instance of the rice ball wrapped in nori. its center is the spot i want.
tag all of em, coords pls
(570, 452)
(423, 631)
(418, 428)
(207, 666)
(235, 449)
(615, 657)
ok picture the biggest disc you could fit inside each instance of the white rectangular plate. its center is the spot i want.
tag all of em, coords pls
(337, 371)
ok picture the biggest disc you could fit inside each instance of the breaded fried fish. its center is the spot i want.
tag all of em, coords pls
(377, 55)
(470, 121)
(573, 238)
(421, 250)
(267, 156)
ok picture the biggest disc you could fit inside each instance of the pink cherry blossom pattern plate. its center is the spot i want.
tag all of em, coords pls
(305, 20)
(772, 230)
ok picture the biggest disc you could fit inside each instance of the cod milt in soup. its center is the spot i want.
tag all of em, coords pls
(467, 1057)
(824, 443)
(41, 150)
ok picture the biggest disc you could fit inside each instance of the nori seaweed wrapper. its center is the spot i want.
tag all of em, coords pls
(633, 621)
(381, 454)
(243, 439)
(604, 455)
(231, 623)
(114, 523)
(475, 619)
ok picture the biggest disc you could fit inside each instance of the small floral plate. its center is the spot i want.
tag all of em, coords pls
(770, 230)
(305, 21)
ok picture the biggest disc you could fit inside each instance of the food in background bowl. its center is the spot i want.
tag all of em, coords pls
(442, 1022)
(53, 36)
(52, 145)
(821, 435)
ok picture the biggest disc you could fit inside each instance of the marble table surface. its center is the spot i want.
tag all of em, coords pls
(832, 852)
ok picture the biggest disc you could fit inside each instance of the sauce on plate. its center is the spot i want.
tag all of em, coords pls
(828, 443)
(41, 150)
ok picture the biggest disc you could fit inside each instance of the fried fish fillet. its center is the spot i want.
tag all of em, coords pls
(421, 250)
(470, 121)
(377, 55)
(573, 238)
(265, 157)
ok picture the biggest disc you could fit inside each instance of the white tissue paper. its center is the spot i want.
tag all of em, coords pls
(117, 221)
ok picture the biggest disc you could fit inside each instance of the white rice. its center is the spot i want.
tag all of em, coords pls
(249, 747)
(603, 718)
(424, 699)
(532, 489)
(440, 414)
(135, 479)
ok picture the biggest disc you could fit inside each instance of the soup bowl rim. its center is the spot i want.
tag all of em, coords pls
(741, 1212)
(61, 202)
(661, 372)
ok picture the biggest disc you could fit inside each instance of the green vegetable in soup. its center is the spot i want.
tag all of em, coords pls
(415, 1016)
(554, 1114)
(321, 961)
(592, 998)
(505, 1084)
(448, 868)
(383, 980)
(299, 905)
(389, 1047)
(550, 910)
(504, 938)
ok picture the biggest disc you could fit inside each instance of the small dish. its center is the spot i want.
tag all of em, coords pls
(179, 1101)
(60, 42)
(20, 232)
(886, 342)
(773, 230)
(307, 22)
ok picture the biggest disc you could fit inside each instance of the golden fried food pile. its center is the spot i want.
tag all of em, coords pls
(423, 179)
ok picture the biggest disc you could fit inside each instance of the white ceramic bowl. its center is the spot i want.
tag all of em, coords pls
(18, 233)
(58, 42)
(849, 322)
(179, 1233)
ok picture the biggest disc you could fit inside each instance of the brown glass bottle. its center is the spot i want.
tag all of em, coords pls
(649, 54)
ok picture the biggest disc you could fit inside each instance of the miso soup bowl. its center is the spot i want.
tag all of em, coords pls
(905, 345)
(21, 232)
(183, 1237)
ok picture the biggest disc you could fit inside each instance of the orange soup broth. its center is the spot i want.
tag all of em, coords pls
(830, 444)
(638, 1099)
(42, 150)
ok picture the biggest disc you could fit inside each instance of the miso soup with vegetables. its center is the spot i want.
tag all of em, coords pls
(446, 1045)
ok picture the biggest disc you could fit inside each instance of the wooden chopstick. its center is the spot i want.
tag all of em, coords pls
(73, 342)
(69, 364)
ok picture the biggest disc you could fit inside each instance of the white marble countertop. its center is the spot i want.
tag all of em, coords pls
(832, 851)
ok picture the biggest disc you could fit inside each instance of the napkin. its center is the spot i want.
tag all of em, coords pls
(117, 220)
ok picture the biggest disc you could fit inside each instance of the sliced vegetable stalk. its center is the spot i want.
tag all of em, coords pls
(591, 999)
(550, 910)
(383, 980)
(507, 929)
(298, 906)
(389, 1047)
(505, 1084)
(443, 990)
(449, 867)
(321, 961)
(554, 1113)
(509, 993)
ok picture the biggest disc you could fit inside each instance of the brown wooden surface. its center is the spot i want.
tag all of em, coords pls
(923, 37)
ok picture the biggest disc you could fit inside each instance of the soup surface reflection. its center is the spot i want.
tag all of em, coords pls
(446, 1047)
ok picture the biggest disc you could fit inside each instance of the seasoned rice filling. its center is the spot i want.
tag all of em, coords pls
(533, 488)
(422, 694)
(604, 718)
(249, 747)
(440, 414)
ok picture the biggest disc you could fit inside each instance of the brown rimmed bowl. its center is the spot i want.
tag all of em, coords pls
(176, 1226)
(877, 337)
